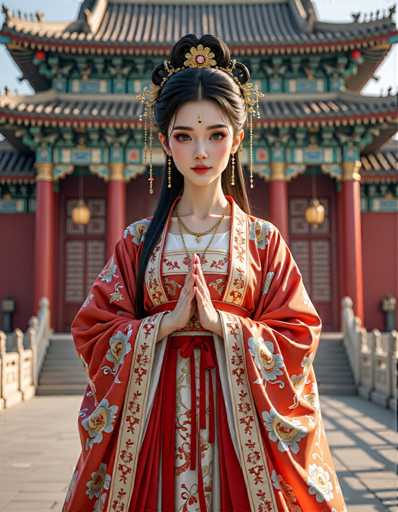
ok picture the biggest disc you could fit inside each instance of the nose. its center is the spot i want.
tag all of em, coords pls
(200, 151)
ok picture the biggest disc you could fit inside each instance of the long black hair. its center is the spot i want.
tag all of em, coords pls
(192, 84)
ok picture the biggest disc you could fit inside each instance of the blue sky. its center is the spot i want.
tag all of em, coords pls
(329, 10)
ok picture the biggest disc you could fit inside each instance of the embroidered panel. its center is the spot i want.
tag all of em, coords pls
(254, 462)
(132, 421)
(238, 275)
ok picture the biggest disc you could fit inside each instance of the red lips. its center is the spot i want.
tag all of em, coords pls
(200, 169)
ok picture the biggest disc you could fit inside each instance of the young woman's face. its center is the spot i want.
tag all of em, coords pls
(200, 135)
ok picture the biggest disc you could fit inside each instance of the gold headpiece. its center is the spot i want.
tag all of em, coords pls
(198, 57)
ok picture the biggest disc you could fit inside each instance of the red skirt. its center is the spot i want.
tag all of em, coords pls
(157, 456)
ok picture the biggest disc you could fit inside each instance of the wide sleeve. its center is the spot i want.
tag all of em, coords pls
(273, 385)
(117, 350)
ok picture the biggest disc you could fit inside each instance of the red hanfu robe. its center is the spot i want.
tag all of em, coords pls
(265, 419)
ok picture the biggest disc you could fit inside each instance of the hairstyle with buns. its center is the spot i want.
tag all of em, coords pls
(193, 84)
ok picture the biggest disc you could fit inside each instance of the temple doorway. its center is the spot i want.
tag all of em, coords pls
(315, 248)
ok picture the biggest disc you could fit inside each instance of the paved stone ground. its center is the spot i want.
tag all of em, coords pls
(39, 447)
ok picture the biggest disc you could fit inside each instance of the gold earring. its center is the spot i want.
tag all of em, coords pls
(168, 171)
(251, 149)
(232, 169)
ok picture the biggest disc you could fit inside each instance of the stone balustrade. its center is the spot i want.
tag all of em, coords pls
(373, 356)
(21, 356)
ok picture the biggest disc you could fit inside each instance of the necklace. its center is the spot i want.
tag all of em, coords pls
(202, 256)
(198, 234)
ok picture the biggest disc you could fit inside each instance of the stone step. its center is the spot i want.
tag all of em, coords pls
(331, 379)
(336, 389)
(59, 367)
(65, 373)
(62, 380)
(63, 350)
(71, 358)
(63, 357)
(334, 365)
(338, 372)
(60, 389)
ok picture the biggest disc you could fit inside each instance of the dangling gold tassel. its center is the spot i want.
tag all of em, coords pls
(232, 169)
(151, 179)
(251, 148)
(168, 171)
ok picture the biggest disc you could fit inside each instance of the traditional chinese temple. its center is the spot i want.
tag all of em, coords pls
(79, 137)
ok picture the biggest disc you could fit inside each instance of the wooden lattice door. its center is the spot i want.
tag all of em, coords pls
(312, 249)
(84, 256)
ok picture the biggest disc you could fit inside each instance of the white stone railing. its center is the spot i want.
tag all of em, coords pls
(373, 357)
(21, 357)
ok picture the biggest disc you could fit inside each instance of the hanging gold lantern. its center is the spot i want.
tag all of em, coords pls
(315, 213)
(81, 213)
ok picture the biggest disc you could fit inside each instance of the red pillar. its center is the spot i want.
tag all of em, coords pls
(352, 243)
(44, 236)
(278, 199)
(116, 207)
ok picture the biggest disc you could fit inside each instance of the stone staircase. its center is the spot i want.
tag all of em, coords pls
(62, 372)
(332, 367)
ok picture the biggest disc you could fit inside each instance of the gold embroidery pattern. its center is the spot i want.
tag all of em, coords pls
(218, 285)
(153, 280)
(237, 283)
(176, 262)
(172, 287)
(132, 421)
(255, 470)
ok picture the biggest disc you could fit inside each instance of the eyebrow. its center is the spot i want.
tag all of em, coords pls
(208, 128)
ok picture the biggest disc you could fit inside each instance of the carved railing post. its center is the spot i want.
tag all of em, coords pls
(32, 336)
(353, 333)
(393, 362)
(18, 343)
(366, 384)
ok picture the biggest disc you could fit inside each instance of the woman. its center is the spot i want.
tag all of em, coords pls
(198, 336)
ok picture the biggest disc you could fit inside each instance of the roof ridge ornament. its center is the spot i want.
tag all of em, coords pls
(92, 16)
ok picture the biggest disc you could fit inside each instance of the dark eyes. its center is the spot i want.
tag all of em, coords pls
(185, 136)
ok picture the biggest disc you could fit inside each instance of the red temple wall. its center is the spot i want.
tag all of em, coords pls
(380, 267)
(17, 264)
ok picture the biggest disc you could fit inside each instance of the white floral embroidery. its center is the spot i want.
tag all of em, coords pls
(137, 230)
(260, 230)
(286, 432)
(109, 271)
(319, 483)
(269, 364)
(100, 420)
(299, 380)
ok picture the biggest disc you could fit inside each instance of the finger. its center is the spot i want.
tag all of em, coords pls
(199, 288)
(200, 298)
(202, 285)
(200, 270)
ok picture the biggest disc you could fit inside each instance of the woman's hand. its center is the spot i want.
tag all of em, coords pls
(208, 315)
(185, 306)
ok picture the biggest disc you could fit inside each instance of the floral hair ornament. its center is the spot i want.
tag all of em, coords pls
(198, 57)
